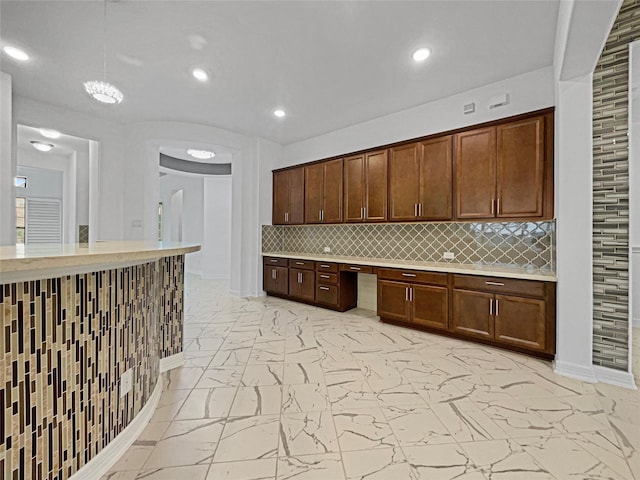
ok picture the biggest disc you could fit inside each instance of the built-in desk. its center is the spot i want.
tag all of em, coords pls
(76, 321)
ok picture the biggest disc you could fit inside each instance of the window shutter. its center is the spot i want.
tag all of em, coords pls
(44, 221)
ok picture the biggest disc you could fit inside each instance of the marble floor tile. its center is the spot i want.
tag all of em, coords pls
(309, 397)
(259, 400)
(264, 469)
(207, 403)
(466, 422)
(327, 466)
(363, 429)
(182, 378)
(248, 438)
(186, 442)
(209, 344)
(416, 426)
(169, 404)
(379, 369)
(442, 462)
(134, 458)
(515, 419)
(381, 464)
(346, 371)
(267, 374)
(231, 358)
(572, 414)
(351, 394)
(395, 391)
(307, 433)
(304, 372)
(215, 377)
(267, 352)
(192, 472)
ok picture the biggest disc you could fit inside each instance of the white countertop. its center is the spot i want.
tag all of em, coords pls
(467, 269)
(19, 258)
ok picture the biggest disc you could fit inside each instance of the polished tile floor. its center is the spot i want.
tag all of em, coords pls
(278, 390)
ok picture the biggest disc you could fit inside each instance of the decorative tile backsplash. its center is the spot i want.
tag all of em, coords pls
(64, 343)
(524, 244)
(611, 192)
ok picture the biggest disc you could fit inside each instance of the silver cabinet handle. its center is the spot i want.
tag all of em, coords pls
(324, 288)
(498, 207)
(273, 260)
(320, 215)
(361, 212)
(273, 273)
(365, 212)
(286, 217)
(299, 277)
(299, 263)
(408, 274)
(415, 209)
(410, 294)
(497, 307)
(325, 276)
(491, 306)
(322, 265)
(420, 209)
(406, 294)
(493, 204)
(355, 268)
(497, 284)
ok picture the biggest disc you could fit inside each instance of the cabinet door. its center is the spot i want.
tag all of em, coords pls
(404, 182)
(332, 209)
(375, 194)
(276, 280)
(520, 168)
(302, 284)
(393, 300)
(354, 186)
(472, 313)
(296, 196)
(313, 192)
(430, 306)
(521, 321)
(475, 159)
(436, 181)
(280, 197)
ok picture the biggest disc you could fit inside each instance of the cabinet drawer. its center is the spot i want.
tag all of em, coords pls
(276, 262)
(302, 264)
(356, 268)
(499, 285)
(327, 294)
(413, 276)
(322, 277)
(326, 267)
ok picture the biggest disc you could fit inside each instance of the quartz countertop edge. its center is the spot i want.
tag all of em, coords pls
(520, 273)
(50, 256)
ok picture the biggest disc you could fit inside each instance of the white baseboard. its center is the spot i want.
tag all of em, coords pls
(216, 276)
(574, 370)
(636, 319)
(109, 455)
(234, 293)
(171, 362)
(615, 377)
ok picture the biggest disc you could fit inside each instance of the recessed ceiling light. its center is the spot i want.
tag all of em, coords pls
(200, 74)
(421, 54)
(16, 53)
(46, 132)
(103, 92)
(201, 154)
(279, 113)
(43, 147)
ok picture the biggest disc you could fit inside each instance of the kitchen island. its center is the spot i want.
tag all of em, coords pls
(86, 332)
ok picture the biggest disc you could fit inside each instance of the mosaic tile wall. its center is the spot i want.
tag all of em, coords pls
(526, 244)
(611, 192)
(64, 343)
(171, 305)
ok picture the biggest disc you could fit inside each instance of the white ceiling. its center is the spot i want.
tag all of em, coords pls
(328, 64)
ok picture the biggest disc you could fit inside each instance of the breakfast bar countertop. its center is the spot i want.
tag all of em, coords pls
(504, 271)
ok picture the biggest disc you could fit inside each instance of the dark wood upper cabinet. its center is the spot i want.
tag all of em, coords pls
(323, 192)
(365, 187)
(476, 173)
(520, 172)
(288, 197)
(420, 180)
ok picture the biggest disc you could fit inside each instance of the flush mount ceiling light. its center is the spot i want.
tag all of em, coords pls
(101, 90)
(421, 54)
(48, 133)
(16, 53)
(279, 113)
(200, 74)
(41, 146)
(201, 154)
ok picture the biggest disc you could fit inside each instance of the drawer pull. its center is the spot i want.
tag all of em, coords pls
(408, 274)
(299, 263)
(322, 265)
(325, 276)
(273, 260)
(324, 288)
(355, 268)
(497, 284)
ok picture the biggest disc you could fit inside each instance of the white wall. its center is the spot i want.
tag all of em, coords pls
(216, 251)
(530, 91)
(7, 164)
(634, 180)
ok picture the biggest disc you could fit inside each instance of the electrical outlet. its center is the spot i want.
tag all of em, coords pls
(326, 249)
(449, 255)
(126, 382)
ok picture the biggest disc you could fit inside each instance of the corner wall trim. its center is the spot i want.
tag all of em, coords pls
(615, 377)
(215, 276)
(171, 362)
(574, 370)
(109, 455)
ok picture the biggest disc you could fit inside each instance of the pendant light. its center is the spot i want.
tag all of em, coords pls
(101, 90)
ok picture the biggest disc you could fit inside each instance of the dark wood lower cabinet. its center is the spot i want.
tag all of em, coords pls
(302, 284)
(472, 314)
(426, 305)
(276, 280)
(521, 321)
(393, 300)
